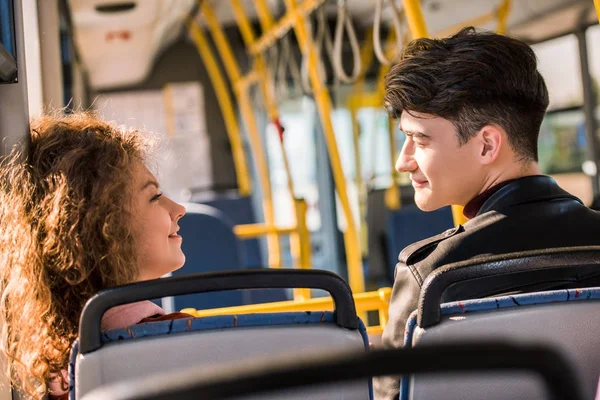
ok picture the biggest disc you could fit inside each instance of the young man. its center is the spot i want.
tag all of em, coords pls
(471, 107)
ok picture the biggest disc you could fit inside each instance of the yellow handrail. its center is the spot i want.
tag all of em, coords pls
(597, 4)
(249, 231)
(235, 76)
(352, 243)
(414, 17)
(283, 26)
(226, 105)
(502, 13)
(369, 301)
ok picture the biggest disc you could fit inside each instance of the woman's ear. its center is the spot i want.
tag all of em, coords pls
(491, 140)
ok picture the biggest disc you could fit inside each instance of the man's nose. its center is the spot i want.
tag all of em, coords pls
(406, 161)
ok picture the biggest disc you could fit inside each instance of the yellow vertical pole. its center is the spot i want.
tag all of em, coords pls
(226, 105)
(247, 112)
(301, 245)
(597, 4)
(392, 194)
(266, 87)
(360, 188)
(352, 244)
(414, 17)
(502, 13)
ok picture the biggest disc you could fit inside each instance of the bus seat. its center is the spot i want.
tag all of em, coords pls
(210, 244)
(565, 319)
(409, 224)
(144, 349)
(101, 358)
(239, 210)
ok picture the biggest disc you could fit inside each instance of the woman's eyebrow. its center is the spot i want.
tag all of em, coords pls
(151, 183)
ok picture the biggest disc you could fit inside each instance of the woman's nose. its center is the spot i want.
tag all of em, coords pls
(177, 212)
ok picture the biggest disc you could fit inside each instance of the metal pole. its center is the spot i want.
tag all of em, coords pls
(589, 108)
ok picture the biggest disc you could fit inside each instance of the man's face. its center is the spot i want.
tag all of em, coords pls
(441, 171)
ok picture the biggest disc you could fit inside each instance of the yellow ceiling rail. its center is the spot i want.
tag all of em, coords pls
(283, 26)
(235, 76)
(351, 239)
(369, 301)
(300, 238)
(226, 105)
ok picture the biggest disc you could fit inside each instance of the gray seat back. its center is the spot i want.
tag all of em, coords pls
(214, 342)
(564, 319)
(277, 377)
(102, 358)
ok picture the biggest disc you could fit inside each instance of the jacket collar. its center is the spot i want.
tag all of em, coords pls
(529, 189)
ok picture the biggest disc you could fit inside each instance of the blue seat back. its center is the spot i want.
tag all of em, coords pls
(151, 348)
(240, 211)
(565, 319)
(409, 224)
(209, 244)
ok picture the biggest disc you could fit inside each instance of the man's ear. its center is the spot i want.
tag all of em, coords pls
(491, 140)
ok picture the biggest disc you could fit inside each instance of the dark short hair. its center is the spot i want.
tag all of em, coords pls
(472, 79)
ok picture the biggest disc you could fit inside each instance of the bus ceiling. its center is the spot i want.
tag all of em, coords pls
(119, 41)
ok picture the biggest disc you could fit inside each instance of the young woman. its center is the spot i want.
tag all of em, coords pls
(79, 212)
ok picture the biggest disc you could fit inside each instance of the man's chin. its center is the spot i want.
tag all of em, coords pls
(427, 205)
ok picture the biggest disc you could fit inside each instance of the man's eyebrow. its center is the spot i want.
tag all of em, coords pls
(414, 133)
(151, 183)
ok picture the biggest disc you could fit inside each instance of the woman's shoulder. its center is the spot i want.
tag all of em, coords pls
(129, 314)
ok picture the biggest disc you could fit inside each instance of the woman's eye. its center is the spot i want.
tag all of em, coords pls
(156, 197)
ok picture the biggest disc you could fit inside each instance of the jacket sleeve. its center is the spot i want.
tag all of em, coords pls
(405, 296)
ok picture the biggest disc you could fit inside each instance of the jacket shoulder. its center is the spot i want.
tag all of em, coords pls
(418, 251)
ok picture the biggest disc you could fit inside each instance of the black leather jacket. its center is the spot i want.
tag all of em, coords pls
(529, 213)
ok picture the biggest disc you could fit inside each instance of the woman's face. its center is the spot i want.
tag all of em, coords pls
(155, 227)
